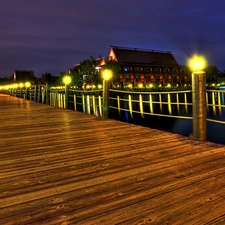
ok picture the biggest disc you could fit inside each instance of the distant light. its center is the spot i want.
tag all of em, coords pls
(197, 63)
(27, 84)
(140, 85)
(21, 85)
(107, 74)
(168, 85)
(151, 85)
(67, 80)
(15, 86)
(99, 86)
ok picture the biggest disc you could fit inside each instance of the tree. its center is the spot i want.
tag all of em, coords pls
(112, 65)
(47, 77)
(86, 70)
(213, 75)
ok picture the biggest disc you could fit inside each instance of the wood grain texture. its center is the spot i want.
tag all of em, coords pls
(59, 166)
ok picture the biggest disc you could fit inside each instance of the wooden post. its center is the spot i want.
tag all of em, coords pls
(20, 92)
(199, 106)
(39, 94)
(26, 93)
(35, 93)
(47, 93)
(66, 96)
(105, 99)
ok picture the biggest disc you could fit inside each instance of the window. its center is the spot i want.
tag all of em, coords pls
(127, 78)
(126, 69)
(138, 78)
(138, 69)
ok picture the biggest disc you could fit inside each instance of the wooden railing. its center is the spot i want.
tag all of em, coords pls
(175, 104)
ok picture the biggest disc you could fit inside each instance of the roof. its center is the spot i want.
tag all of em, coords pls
(143, 56)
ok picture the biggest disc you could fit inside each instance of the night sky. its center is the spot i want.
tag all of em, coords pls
(53, 35)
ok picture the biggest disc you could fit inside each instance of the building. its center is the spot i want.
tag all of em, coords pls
(144, 68)
(23, 75)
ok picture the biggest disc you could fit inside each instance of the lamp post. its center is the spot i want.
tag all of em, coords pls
(197, 64)
(27, 85)
(21, 86)
(67, 80)
(107, 75)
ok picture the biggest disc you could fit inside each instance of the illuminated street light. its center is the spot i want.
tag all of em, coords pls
(27, 84)
(197, 64)
(67, 80)
(107, 75)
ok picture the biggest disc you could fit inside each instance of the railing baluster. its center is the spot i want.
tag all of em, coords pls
(160, 102)
(83, 103)
(94, 105)
(185, 102)
(100, 105)
(130, 106)
(219, 103)
(88, 105)
(150, 103)
(178, 104)
(118, 103)
(169, 104)
(75, 102)
(141, 106)
(213, 103)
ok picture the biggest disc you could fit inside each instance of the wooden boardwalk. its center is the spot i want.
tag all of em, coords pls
(63, 167)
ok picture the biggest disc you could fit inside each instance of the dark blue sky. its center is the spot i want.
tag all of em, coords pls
(53, 35)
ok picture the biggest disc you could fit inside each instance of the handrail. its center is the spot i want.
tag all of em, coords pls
(150, 92)
(144, 102)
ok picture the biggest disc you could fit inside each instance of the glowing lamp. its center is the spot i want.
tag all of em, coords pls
(197, 63)
(15, 85)
(67, 80)
(27, 84)
(21, 85)
(107, 74)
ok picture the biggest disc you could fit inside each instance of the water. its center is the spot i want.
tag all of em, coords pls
(215, 131)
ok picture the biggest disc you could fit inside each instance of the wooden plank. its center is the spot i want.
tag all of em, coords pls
(64, 167)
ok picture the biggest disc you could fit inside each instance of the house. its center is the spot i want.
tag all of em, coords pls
(144, 67)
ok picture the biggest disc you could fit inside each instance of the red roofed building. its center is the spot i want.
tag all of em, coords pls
(144, 67)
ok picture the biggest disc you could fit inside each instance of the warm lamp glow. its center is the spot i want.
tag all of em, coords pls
(21, 85)
(67, 80)
(27, 84)
(197, 63)
(107, 74)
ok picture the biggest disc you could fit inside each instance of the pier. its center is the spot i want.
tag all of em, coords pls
(60, 166)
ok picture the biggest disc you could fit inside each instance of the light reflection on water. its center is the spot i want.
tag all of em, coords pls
(215, 131)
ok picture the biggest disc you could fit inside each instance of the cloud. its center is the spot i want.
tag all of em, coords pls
(52, 35)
